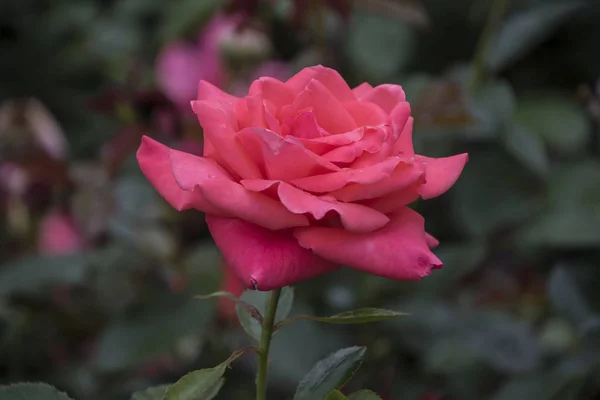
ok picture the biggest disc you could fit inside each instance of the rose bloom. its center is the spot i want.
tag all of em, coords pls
(302, 177)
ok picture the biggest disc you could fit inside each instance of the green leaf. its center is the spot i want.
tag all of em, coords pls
(252, 305)
(330, 373)
(183, 16)
(203, 384)
(153, 393)
(377, 47)
(336, 395)
(524, 31)
(493, 106)
(197, 385)
(358, 316)
(31, 391)
(558, 120)
(528, 148)
(32, 273)
(364, 395)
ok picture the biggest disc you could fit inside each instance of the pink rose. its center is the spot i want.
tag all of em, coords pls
(301, 177)
(180, 65)
(58, 234)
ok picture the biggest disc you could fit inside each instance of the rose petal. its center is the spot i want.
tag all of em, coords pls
(153, 158)
(219, 130)
(372, 142)
(365, 114)
(282, 158)
(386, 96)
(405, 175)
(328, 77)
(208, 91)
(337, 180)
(362, 90)
(399, 250)
(441, 174)
(404, 144)
(189, 170)
(329, 112)
(324, 144)
(263, 259)
(257, 208)
(273, 90)
(394, 201)
(431, 241)
(354, 217)
(303, 125)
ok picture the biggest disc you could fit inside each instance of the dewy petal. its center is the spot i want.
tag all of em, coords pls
(328, 77)
(386, 96)
(362, 90)
(221, 135)
(257, 208)
(328, 110)
(399, 250)
(399, 117)
(189, 170)
(282, 158)
(263, 259)
(354, 217)
(441, 174)
(154, 161)
(337, 180)
(405, 175)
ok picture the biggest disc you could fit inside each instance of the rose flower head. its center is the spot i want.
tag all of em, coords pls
(302, 177)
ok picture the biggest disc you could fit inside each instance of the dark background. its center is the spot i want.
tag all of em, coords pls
(97, 273)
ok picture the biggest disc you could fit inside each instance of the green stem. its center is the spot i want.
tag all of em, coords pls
(263, 348)
(492, 26)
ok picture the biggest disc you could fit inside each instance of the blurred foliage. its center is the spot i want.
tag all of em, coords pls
(515, 312)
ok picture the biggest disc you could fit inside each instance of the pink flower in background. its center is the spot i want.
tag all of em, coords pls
(301, 177)
(181, 65)
(58, 234)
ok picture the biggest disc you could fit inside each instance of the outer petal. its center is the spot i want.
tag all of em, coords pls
(397, 251)
(208, 91)
(254, 207)
(441, 174)
(194, 173)
(282, 158)
(385, 96)
(337, 180)
(154, 162)
(219, 129)
(354, 217)
(431, 241)
(328, 110)
(405, 175)
(263, 259)
(330, 78)
(396, 200)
